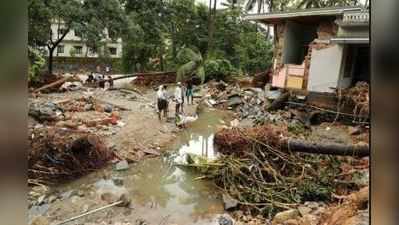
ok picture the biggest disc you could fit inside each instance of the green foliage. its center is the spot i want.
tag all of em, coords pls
(218, 69)
(89, 17)
(192, 65)
(255, 52)
(314, 191)
(36, 64)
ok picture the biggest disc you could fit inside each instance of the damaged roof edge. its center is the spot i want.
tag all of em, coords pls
(301, 13)
(350, 40)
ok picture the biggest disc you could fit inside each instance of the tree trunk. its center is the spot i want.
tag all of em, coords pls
(212, 16)
(50, 60)
(327, 149)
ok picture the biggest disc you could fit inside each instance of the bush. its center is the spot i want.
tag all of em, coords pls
(36, 64)
(218, 69)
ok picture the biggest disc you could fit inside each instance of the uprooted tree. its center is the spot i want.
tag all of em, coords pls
(50, 21)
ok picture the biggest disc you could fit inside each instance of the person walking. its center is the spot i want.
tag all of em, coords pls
(183, 94)
(189, 91)
(162, 102)
(178, 98)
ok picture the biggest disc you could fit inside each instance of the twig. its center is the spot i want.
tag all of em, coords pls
(90, 212)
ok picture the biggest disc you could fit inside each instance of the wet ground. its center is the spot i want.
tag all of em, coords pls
(160, 191)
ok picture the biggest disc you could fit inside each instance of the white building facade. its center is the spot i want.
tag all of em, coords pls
(73, 46)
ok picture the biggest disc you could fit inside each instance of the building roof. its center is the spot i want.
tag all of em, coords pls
(275, 17)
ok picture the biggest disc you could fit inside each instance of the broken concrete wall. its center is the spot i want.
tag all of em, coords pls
(289, 34)
(325, 69)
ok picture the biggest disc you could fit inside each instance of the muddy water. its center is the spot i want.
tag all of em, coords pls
(160, 191)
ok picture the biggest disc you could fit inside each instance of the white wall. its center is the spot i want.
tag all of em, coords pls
(325, 67)
(72, 40)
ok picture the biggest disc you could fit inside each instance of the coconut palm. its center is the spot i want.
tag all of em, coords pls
(325, 3)
(193, 65)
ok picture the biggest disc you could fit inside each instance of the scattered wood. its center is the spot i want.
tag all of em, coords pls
(130, 91)
(151, 152)
(143, 74)
(91, 212)
(112, 104)
(53, 84)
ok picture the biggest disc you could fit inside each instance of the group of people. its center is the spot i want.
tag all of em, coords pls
(181, 91)
(100, 80)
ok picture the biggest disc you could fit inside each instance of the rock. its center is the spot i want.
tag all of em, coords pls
(225, 220)
(108, 108)
(354, 130)
(234, 101)
(85, 208)
(125, 200)
(291, 222)
(303, 210)
(45, 112)
(229, 202)
(309, 220)
(52, 199)
(312, 205)
(122, 165)
(119, 181)
(75, 200)
(40, 200)
(285, 215)
(88, 107)
(81, 193)
(40, 220)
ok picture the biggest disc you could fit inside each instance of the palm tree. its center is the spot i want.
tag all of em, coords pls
(327, 3)
(233, 3)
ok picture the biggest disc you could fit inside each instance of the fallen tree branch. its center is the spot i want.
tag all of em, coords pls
(327, 149)
(53, 84)
(90, 212)
(143, 74)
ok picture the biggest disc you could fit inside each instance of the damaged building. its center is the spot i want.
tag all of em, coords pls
(319, 50)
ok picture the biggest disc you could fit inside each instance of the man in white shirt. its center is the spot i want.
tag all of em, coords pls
(162, 101)
(178, 98)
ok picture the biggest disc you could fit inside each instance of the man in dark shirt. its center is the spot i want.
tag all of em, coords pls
(189, 91)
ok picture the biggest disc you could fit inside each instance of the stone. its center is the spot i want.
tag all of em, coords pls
(75, 200)
(291, 222)
(229, 202)
(40, 220)
(303, 210)
(108, 108)
(85, 208)
(40, 200)
(225, 220)
(88, 107)
(234, 101)
(69, 194)
(309, 220)
(312, 205)
(119, 181)
(122, 165)
(285, 215)
(354, 130)
(52, 199)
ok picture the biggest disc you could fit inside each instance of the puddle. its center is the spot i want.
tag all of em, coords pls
(158, 189)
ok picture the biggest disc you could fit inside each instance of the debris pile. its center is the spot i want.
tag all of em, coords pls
(155, 79)
(56, 155)
(259, 170)
(84, 114)
(359, 95)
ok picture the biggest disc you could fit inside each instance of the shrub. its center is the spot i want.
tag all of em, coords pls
(218, 69)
